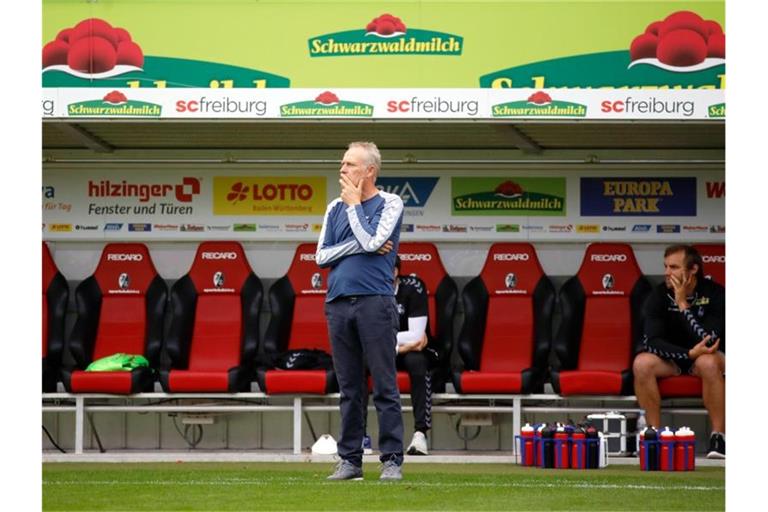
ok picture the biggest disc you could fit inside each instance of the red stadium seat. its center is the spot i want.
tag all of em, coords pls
(119, 310)
(601, 325)
(213, 337)
(423, 260)
(297, 303)
(505, 339)
(682, 386)
(713, 256)
(55, 296)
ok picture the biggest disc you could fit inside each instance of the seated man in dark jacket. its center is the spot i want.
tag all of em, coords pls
(415, 352)
(684, 334)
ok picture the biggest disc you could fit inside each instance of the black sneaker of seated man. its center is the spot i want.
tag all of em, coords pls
(716, 446)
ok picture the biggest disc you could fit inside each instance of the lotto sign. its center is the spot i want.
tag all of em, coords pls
(252, 195)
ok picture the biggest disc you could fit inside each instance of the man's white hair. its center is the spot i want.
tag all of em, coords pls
(372, 155)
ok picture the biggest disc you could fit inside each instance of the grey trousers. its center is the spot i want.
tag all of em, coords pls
(363, 329)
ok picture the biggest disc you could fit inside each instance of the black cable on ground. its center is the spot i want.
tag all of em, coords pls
(465, 437)
(309, 424)
(197, 432)
(95, 433)
(50, 438)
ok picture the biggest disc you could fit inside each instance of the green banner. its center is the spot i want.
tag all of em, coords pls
(409, 44)
(536, 197)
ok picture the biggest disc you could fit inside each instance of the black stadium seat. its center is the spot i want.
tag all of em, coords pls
(119, 310)
(423, 260)
(213, 336)
(505, 339)
(601, 327)
(297, 304)
(55, 296)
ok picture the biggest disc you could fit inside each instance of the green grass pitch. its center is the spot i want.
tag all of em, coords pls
(296, 486)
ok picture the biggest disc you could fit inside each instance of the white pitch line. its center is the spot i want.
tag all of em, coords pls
(294, 481)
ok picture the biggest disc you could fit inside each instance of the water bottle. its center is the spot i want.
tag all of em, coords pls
(548, 446)
(562, 459)
(578, 449)
(649, 460)
(593, 447)
(538, 456)
(685, 448)
(641, 424)
(527, 457)
(667, 460)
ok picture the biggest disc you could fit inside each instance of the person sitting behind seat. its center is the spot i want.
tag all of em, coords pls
(415, 353)
(684, 333)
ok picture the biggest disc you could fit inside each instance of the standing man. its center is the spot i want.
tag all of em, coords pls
(359, 241)
(684, 334)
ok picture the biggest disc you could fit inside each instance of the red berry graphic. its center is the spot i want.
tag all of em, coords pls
(643, 47)
(712, 27)
(64, 34)
(94, 27)
(385, 24)
(122, 35)
(55, 53)
(509, 188)
(540, 98)
(115, 97)
(92, 55)
(327, 98)
(386, 27)
(681, 48)
(130, 53)
(716, 46)
(683, 20)
(653, 28)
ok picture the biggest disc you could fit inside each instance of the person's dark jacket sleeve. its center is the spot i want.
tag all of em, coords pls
(654, 330)
(713, 322)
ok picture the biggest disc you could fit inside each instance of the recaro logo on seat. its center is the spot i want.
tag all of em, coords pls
(521, 256)
(124, 257)
(415, 257)
(607, 258)
(307, 257)
(219, 256)
(713, 259)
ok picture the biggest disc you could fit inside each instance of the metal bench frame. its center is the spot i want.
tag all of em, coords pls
(443, 403)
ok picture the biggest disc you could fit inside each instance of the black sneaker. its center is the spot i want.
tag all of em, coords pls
(716, 446)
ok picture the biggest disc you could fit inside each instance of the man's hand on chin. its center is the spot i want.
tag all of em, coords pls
(351, 194)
